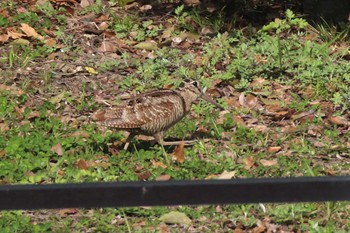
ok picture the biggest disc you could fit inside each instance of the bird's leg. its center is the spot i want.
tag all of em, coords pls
(159, 138)
(128, 139)
(176, 143)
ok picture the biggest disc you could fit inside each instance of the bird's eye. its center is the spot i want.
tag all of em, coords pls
(195, 84)
(187, 80)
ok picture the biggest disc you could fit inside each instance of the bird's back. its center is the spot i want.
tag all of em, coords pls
(146, 113)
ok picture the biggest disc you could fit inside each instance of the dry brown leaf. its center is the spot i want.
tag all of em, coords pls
(19, 111)
(226, 175)
(251, 100)
(168, 86)
(241, 99)
(290, 129)
(4, 38)
(260, 59)
(86, 3)
(179, 153)
(4, 127)
(107, 46)
(239, 120)
(339, 147)
(268, 101)
(338, 120)
(157, 164)
(33, 114)
(231, 102)
(30, 32)
(50, 42)
(14, 34)
(145, 8)
(249, 162)
(2, 153)
(274, 149)
(80, 134)
(144, 175)
(103, 26)
(319, 144)
(81, 164)
(12, 89)
(164, 177)
(260, 228)
(222, 117)
(268, 163)
(57, 149)
(191, 2)
(261, 128)
(69, 211)
(113, 150)
(4, 13)
(202, 130)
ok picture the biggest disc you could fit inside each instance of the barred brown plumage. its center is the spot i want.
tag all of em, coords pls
(154, 112)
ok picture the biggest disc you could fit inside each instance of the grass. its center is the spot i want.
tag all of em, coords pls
(269, 82)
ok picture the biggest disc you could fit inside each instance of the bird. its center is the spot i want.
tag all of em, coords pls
(152, 113)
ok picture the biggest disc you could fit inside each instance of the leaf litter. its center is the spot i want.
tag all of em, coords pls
(265, 109)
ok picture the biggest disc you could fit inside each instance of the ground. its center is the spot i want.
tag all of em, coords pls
(284, 85)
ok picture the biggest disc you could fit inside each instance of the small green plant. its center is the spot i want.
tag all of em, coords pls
(331, 34)
(284, 26)
(182, 18)
(46, 8)
(122, 25)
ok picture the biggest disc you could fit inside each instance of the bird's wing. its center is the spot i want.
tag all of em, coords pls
(140, 110)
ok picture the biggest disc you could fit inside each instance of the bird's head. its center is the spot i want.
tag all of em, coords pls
(193, 90)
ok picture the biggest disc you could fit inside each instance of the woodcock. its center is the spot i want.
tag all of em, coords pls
(154, 112)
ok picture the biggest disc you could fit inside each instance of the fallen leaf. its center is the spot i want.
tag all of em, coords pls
(251, 100)
(338, 120)
(249, 162)
(144, 175)
(4, 38)
(70, 211)
(19, 111)
(2, 153)
(30, 32)
(239, 120)
(268, 163)
(14, 34)
(57, 149)
(163, 228)
(12, 89)
(175, 217)
(86, 3)
(145, 8)
(81, 164)
(147, 45)
(222, 117)
(164, 177)
(274, 149)
(91, 70)
(159, 164)
(227, 175)
(21, 41)
(107, 46)
(191, 2)
(80, 134)
(289, 129)
(58, 98)
(33, 114)
(50, 42)
(179, 153)
(261, 128)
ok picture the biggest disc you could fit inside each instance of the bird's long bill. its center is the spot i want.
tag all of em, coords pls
(210, 100)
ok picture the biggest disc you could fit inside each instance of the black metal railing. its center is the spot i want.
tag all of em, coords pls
(123, 194)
